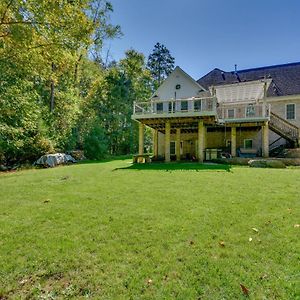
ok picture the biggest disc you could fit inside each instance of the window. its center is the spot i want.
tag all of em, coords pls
(171, 106)
(159, 107)
(290, 111)
(230, 113)
(197, 105)
(250, 111)
(172, 148)
(248, 144)
(184, 105)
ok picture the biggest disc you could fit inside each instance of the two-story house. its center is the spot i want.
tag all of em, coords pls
(240, 113)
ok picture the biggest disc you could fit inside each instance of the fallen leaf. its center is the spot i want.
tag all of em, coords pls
(23, 281)
(255, 229)
(250, 239)
(244, 289)
(263, 276)
(222, 243)
(297, 225)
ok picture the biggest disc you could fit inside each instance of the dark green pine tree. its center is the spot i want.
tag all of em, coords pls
(160, 63)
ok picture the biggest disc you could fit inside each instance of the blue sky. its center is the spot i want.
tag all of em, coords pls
(204, 34)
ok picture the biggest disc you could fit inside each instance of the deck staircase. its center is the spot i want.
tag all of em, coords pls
(285, 129)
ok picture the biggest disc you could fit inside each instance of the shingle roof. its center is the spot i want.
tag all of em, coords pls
(285, 78)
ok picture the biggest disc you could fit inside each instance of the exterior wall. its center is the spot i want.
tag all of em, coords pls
(188, 87)
(218, 139)
(278, 107)
(189, 143)
(215, 139)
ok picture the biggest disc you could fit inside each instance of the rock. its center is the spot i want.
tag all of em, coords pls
(265, 163)
(52, 160)
(293, 153)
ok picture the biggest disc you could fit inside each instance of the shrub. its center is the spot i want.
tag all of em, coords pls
(95, 143)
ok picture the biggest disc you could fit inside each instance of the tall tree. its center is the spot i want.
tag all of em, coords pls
(160, 63)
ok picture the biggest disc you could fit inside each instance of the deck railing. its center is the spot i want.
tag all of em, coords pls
(180, 106)
(247, 111)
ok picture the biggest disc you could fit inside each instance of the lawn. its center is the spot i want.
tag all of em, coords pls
(167, 231)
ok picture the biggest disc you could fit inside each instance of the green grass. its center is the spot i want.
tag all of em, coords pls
(166, 231)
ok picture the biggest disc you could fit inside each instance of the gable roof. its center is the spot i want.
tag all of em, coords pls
(285, 78)
(186, 75)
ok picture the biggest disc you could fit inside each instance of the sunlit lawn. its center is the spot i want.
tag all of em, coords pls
(178, 231)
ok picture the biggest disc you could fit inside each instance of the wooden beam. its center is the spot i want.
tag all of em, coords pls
(265, 140)
(233, 141)
(167, 141)
(141, 138)
(201, 140)
(155, 142)
(178, 144)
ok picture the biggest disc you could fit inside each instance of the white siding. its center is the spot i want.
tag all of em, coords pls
(188, 87)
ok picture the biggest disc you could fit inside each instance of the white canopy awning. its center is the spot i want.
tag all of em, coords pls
(242, 91)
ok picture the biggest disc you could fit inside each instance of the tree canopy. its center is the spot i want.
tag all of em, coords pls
(160, 63)
(57, 92)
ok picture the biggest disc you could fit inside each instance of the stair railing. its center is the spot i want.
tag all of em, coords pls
(282, 126)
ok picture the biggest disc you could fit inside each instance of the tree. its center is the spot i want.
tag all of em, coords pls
(42, 44)
(160, 63)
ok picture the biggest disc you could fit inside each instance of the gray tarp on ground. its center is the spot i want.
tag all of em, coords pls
(52, 160)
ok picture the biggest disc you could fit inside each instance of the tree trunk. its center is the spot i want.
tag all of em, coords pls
(52, 90)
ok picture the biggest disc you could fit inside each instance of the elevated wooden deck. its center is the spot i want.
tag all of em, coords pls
(185, 113)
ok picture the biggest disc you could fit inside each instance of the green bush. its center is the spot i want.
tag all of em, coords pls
(95, 143)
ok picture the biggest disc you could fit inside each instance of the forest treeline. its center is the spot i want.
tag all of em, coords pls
(58, 91)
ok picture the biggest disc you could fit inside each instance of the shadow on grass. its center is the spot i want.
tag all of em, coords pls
(105, 160)
(177, 166)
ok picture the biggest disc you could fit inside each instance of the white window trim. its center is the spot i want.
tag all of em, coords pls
(286, 111)
(245, 143)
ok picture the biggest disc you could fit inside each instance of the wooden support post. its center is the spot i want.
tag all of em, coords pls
(155, 143)
(141, 138)
(201, 140)
(265, 140)
(233, 141)
(167, 141)
(178, 144)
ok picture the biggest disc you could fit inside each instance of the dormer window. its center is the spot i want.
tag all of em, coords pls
(178, 86)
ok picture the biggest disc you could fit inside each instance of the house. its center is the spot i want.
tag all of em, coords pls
(240, 113)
